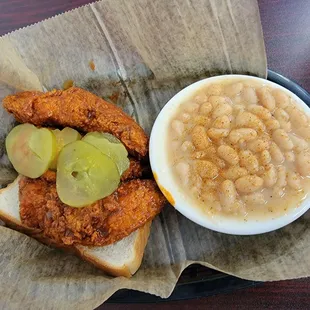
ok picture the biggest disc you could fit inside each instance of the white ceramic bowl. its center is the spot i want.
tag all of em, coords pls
(172, 190)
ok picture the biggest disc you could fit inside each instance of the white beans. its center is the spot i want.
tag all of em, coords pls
(299, 143)
(202, 120)
(277, 192)
(249, 95)
(294, 180)
(238, 108)
(241, 147)
(281, 115)
(249, 161)
(282, 139)
(206, 108)
(209, 195)
(297, 117)
(202, 98)
(206, 169)
(178, 127)
(218, 100)
(217, 133)
(185, 117)
(182, 169)
(208, 153)
(222, 109)
(214, 89)
(266, 99)
(211, 183)
(236, 208)
(233, 89)
(249, 184)
(281, 181)
(276, 153)
(286, 126)
(259, 111)
(289, 157)
(261, 170)
(191, 107)
(200, 155)
(303, 163)
(227, 193)
(237, 100)
(247, 119)
(218, 162)
(234, 173)
(272, 124)
(265, 157)
(228, 154)
(258, 145)
(270, 176)
(187, 146)
(265, 137)
(281, 98)
(245, 134)
(222, 122)
(197, 180)
(199, 137)
(303, 132)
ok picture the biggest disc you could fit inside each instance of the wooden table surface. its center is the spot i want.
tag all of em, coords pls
(286, 26)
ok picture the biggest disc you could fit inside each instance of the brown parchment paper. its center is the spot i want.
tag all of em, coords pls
(144, 51)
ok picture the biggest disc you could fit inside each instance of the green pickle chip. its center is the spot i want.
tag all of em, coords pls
(30, 150)
(110, 146)
(84, 174)
(63, 137)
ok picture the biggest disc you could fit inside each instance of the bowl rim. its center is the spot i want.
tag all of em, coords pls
(168, 185)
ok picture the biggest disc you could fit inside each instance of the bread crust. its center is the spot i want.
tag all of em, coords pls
(128, 269)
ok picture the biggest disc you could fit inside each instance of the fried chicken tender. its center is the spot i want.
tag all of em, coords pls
(80, 109)
(104, 222)
(136, 170)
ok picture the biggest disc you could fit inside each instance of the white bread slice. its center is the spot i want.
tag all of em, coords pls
(122, 258)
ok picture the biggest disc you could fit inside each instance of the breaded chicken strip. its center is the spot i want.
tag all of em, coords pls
(136, 170)
(104, 222)
(80, 109)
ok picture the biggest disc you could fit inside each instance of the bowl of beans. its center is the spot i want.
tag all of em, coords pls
(232, 154)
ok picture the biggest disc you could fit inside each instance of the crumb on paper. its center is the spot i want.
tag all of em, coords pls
(114, 97)
(92, 65)
(67, 84)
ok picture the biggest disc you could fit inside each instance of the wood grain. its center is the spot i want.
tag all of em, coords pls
(286, 27)
(284, 295)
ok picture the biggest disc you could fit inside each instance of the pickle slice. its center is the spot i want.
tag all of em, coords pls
(84, 174)
(63, 137)
(110, 146)
(30, 149)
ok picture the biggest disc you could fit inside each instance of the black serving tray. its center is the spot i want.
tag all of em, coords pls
(198, 281)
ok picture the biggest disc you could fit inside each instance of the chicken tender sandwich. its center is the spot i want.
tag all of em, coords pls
(84, 182)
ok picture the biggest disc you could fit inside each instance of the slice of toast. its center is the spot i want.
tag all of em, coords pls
(122, 258)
